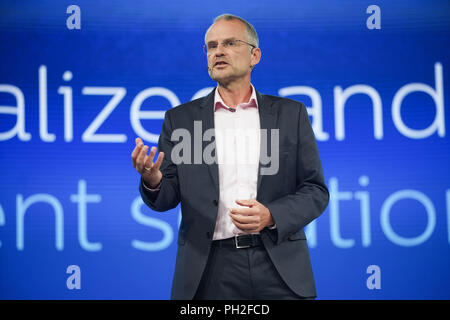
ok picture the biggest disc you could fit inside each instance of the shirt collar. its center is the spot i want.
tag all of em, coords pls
(219, 103)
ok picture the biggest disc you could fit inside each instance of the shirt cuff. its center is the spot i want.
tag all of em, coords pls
(157, 188)
(273, 227)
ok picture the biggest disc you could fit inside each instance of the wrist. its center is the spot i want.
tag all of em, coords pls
(152, 186)
(153, 183)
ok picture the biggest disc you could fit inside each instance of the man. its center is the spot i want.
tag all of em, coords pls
(241, 234)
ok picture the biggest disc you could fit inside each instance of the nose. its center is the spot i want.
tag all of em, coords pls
(219, 50)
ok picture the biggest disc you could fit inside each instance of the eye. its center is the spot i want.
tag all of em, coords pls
(212, 45)
(231, 43)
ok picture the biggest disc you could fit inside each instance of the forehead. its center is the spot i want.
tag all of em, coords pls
(226, 29)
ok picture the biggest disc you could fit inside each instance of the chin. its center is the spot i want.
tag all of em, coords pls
(219, 77)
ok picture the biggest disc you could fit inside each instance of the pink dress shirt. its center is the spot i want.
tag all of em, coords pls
(237, 150)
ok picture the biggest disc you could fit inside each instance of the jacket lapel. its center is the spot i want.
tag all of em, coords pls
(207, 118)
(268, 121)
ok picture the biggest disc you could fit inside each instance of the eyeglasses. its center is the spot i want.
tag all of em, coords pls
(210, 47)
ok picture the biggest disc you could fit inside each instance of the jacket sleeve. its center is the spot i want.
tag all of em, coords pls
(168, 195)
(293, 212)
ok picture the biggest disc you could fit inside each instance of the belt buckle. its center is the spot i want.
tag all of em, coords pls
(237, 245)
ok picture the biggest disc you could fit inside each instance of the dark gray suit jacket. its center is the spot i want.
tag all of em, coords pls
(295, 195)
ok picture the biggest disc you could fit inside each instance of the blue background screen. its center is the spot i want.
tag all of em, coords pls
(72, 102)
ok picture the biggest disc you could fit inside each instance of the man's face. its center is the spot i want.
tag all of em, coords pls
(228, 64)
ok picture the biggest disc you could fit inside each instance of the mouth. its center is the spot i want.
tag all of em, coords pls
(220, 64)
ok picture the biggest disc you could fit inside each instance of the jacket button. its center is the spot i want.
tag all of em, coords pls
(208, 235)
(215, 202)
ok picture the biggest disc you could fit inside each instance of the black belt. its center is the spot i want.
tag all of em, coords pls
(240, 241)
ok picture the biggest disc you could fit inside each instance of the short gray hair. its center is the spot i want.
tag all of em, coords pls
(251, 32)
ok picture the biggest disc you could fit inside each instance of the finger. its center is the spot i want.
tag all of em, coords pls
(149, 160)
(158, 162)
(135, 154)
(151, 156)
(244, 211)
(244, 219)
(245, 227)
(139, 141)
(141, 158)
(246, 203)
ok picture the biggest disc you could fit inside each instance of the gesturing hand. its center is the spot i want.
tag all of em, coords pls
(253, 218)
(144, 164)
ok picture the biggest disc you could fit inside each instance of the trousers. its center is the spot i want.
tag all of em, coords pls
(241, 274)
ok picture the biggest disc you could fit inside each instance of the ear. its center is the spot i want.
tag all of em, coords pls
(256, 57)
